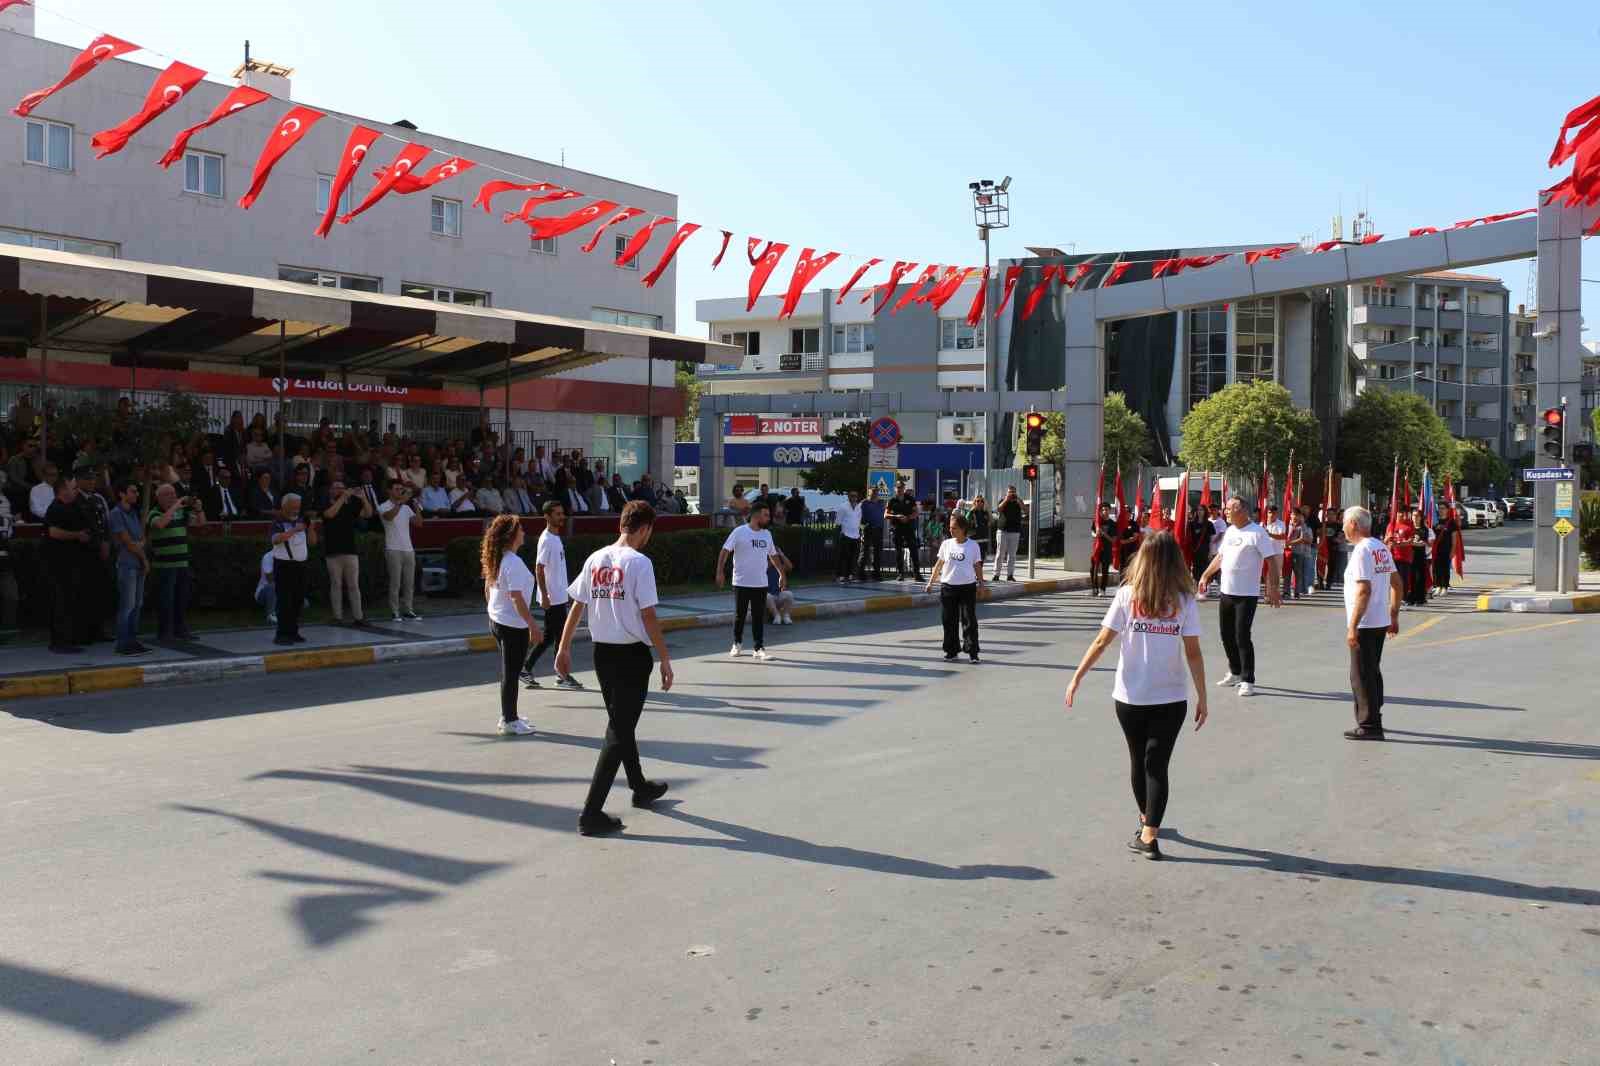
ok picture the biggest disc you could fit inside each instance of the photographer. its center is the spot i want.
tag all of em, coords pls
(292, 540)
(400, 513)
(167, 534)
(344, 565)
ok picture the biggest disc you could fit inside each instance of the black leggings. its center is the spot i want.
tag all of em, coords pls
(1152, 732)
(1236, 614)
(624, 673)
(754, 601)
(959, 611)
(555, 620)
(513, 641)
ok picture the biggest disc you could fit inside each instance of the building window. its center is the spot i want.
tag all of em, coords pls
(56, 242)
(806, 341)
(855, 339)
(49, 144)
(622, 246)
(324, 190)
(1424, 298)
(202, 173)
(1483, 376)
(444, 296)
(1386, 371)
(750, 342)
(620, 440)
(1524, 329)
(1256, 344)
(1472, 409)
(544, 245)
(1381, 335)
(1378, 295)
(625, 318)
(1208, 351)
(956, 335)
(1484, 342)
(1447, 374)
(446, 218)
(327, 279)
(1473, 302)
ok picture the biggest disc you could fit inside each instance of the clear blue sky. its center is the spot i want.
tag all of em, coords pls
(856, 126)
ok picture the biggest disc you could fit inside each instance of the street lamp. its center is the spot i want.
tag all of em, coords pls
(991, 210)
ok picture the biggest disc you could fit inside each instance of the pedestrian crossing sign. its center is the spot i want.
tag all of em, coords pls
(1563, 527)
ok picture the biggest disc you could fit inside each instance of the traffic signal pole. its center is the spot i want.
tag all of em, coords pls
(1034, 423)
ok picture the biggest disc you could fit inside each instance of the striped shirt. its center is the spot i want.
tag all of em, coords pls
(169, 548)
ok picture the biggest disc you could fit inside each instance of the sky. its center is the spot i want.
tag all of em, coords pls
(856, 126)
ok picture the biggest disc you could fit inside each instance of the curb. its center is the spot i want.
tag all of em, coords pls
(1546, 603)
(107, 678)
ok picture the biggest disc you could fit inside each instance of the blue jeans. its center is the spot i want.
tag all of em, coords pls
(172, 598)
(267, 597)
(130, 600)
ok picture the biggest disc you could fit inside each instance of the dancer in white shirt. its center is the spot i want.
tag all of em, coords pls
(1245, 547)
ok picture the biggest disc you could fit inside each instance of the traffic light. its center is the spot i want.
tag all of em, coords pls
(1551, 433)
(1035, 425)
(1030, 472)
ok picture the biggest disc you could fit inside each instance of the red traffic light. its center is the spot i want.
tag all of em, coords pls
(1030, 472)
(1553, 416)
(1035, 420)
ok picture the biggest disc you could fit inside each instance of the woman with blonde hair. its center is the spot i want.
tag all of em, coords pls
(1154, 619)
(508, 588)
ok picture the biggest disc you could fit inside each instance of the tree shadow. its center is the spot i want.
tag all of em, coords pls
(1397, 701)
(739, 838)
(1549, 749)
(107, 1013)
(325, 918)
(1281, 862)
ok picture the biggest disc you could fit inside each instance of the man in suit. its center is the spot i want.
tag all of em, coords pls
(263, 500)
(223, 499)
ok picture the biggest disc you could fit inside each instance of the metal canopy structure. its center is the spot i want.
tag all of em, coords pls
(136, 312)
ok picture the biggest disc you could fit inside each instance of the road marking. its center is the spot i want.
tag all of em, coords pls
(1420, 628)
(1498, 633)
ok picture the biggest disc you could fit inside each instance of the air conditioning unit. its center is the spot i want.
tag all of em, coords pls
(961, 430)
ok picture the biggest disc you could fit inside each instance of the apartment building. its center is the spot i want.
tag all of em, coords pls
(432, 245)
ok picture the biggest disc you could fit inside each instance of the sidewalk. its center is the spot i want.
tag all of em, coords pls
(30, 670)
(1585, 599)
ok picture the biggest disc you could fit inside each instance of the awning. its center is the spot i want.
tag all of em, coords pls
(150, 312)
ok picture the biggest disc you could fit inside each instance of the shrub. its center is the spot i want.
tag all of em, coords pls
(1589, 529)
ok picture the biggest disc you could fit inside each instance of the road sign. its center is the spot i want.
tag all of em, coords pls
(884, 433)
(883, 481)
(1563, 499)
(1563, 527)
(1547, 473)
(883, 458)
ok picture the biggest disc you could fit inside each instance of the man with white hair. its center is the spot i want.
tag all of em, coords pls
(1372, 592)
(292, 539)
(1244, 549)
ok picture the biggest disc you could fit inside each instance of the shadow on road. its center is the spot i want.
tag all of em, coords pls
(1388, 701)
(108, 1013)
(1548, 749)
(325, 918)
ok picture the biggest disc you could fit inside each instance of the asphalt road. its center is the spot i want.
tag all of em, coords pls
(873, 857)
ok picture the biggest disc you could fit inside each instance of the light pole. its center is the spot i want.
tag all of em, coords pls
(991, 210)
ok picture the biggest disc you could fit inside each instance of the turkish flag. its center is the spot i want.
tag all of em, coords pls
(389, 176)
(285, 135)
(615, 220)
(631, 250)
(1487, 219)
(491, 189)
(1578, 116)
(1122, 524)
(1200, 262)
(1094, 522)
(1164, 266)
(764, 265)
(1458, 549)
(1180, 519)
(1372, 238)
(949, 284)
(685, 231)
(1046, 276)
(406, 184)
(1115, 274)
(15, 3)
(898, 271)
(807, 268)
(857, 276)
(1205, 493)
(355, 150)
(1394, 498)
(1157, 520)
(241, 97)
(100, 49)
(975, 312)
(727, 235)
(912, 295)
(1422, 231)
(1012, 274)
(544, 228)
(1252, 258)
(170, 86)
(525, 214)
(1079, 274)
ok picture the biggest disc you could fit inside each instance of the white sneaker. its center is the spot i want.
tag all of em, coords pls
(762, 656)
(397, 617)
(1246, 689)
(788, 619)
(519, 728)
(736, 651)
(1229, 679)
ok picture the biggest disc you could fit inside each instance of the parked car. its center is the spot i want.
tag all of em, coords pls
(1481, 513)
(1519, 507)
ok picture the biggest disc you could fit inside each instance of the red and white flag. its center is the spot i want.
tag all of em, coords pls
(764, 264)
(1012, 274)
(950, 283)
(1114, 275)
(525, 214)
(1253, 257)
(241, 97)
(389, 177)
(913, 294)
(407, 184)
(615, 220)
(1079, 274)
(100, 49)
(685, 231)
(172, 85)
(631, 250)
(355, 150)
(1047, 276)
(1583, 115)
(1422, 231)
(285, 135)
(727, 235)
(857, 276)
(896, 273)
(805, 270)
(975, 312)
(545, 228)
(491, 189)
(15, 3)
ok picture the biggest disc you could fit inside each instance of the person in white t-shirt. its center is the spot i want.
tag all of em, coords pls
(958, 571)
(508, 589)
(401, 513)
(1372, 594)
(617, 586)
(1156, 624)
(1244, 548)
(752, 547)
(849, 539)
(550, 571)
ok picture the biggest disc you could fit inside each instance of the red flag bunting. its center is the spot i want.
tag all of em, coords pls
(1488, 219)
(1200, 262)
(406, 185)
(170, 86)
(727, 235)
(949, 285)
(750, 250)
(285, 135)
(685, 231)
(911, 295)
(1422, 231)
(355, 150)
(1372, 238)
(631, 250)
(491, 189)
(975, 312)
(615, 220)
(1046, 276)
(15, 3)
(1163, 266)
(1114, 275)
(1079, 274)
(545, 228)
(1578, 116)
(1012, 274)
(1325, 246)
(806, 269)
(241, 97)
(100, 49)
(764, 265)
(389, 176)
(857, 276)
(1252, 258)
(898, 271)
(525, 213)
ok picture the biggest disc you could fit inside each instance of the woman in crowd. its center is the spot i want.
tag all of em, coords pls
(1156, 624)
(1445, 532)
(1302, 556)
(1417, 586)
(258, 452)
(508, 587)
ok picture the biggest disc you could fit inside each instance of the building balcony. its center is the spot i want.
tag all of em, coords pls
(1382, 315)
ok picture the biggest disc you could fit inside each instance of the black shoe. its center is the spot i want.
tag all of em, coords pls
(185, 635)
(134, 649)
(950, 658)
(646, 797)
(298, 639)
(1363, 734)
(283, 641)
(1151, 851)
(66, 649)
(975, 658)
(1137, 840)
(598, 825)
(529, 681)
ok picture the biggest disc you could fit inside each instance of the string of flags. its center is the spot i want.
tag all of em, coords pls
(935, 285)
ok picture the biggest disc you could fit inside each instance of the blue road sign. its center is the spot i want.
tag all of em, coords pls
(1547, 473)
(883, 481)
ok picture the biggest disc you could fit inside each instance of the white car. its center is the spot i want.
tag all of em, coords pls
(1480, 513)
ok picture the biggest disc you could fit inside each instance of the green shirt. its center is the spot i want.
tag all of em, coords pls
(169, 548)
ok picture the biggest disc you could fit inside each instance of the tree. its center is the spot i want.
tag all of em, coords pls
(1126, 437)
(688, 383)
(847, 470)
(1478, 468)
(1383, 424)
(1229, 432)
